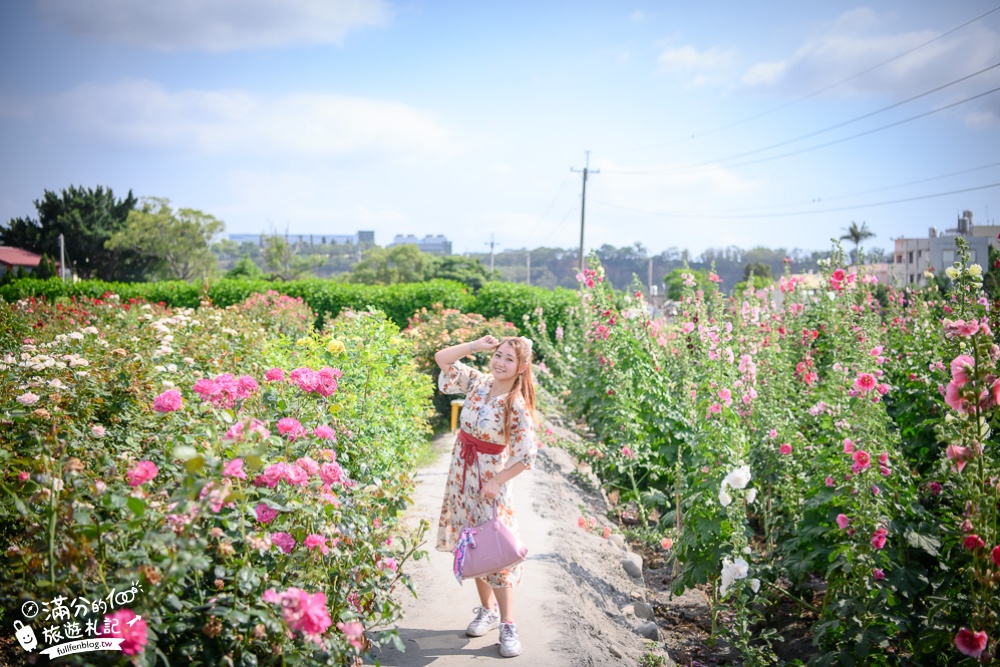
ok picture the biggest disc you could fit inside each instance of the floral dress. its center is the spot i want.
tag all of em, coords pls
(482, 417)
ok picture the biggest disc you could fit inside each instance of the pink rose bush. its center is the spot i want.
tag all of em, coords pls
(303, 612)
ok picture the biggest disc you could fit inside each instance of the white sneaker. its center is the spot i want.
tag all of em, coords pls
(510, 645)
(485, 620)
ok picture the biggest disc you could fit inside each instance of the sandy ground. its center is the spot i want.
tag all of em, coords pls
(575, 603)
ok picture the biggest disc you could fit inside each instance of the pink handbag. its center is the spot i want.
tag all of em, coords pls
(487, 548)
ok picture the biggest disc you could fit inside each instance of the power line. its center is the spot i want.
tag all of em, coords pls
(792, 213)
(705, 166)
(817, 91)
(583, 200)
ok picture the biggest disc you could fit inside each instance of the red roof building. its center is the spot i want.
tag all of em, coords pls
(12, 258)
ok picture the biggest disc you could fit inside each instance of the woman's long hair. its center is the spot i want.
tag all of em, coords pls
(523, 383)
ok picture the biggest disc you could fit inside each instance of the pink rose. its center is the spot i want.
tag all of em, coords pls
(284, 541)
(168, 401)
(785, 448)
(141, 472)
(290, 427)
(274, 375)
(265, 514)
(354, 631)
(314, 541)
(324, 432)
(234, 469)
(134, 634)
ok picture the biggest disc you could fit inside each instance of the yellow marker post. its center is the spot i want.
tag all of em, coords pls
(456, 405)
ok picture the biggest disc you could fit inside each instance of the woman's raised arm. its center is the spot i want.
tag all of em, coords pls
(447, 356)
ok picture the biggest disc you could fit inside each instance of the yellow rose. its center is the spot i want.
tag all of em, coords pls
(335, 347)
(302, 342)
(976, 271)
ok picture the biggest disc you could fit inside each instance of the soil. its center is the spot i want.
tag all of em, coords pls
(576, 606)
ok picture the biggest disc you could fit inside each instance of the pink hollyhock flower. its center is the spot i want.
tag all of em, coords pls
(838, 275)
(971, 643)
(141, 472)
(314, 541)
(865, 382)
(23, 476)
(606, 533)
(290, 427)
(995, 555)
(960, 455)
(878, 574)
(234, 469)
(882, 388)
(862, 459)
(168, 401)
(829, 481)
(934, 488)
(134, 634)
(878, 538)
(353, 630)
(843, 522)
(973, 542)
(785, 448)
(726, 396)
(848, 446)
(772, 434)
(581, 522)
(284, 541)
(961, 328)
(883, 458)
(961, 366)
(667, 544)
(274, 375)
(324, 432)
(627, 452)
(265, 514)
(953, 397)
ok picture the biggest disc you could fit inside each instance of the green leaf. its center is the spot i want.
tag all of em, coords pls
(137, 506)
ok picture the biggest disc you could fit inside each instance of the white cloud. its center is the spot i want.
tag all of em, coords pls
(214, 25)
(143, 114)
(689, 58)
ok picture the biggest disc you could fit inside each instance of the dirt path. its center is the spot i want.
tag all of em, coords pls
(574, 605)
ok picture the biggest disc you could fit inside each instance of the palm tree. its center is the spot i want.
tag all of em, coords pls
(857, 235)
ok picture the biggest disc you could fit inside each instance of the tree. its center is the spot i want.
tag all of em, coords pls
(465, 270)
(176, 243)
(674, 281)
(244, 268)
(758, 269)
(86, 218)
(856, 235)
(285, 260)
(398, 264)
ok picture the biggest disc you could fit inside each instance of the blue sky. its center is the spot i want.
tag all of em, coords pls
(465, 118)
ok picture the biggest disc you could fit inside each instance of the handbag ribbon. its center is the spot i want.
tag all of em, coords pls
(466, 539)
(471, 447)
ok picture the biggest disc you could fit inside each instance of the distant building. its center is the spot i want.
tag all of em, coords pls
(15, 258)
(435, 245)
(915, 256)
(361, 238)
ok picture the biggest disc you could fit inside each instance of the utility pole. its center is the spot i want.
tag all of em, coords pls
(583, 199)
(491, 244)
(528, 280)
(62, 258)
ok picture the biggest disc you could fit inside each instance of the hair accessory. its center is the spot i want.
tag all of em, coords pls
(527, 341)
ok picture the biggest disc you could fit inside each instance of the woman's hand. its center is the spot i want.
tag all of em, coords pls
(487, 342)
(490, 490)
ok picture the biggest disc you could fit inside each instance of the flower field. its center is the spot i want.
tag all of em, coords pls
(205, 486)
(833, 450)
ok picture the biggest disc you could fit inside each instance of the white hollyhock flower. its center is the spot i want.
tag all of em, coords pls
(724, 497)
(755, 585)
(738, 478)
(731, 572)
(751, 495)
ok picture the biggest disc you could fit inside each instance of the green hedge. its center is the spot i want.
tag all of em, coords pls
(327, 298)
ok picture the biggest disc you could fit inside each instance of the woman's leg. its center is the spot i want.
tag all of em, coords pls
(505, 597)
(485, 594)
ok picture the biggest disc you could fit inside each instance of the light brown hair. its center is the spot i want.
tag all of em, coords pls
(523, 385)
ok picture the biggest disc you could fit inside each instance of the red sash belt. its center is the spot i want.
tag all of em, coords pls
(471, 446)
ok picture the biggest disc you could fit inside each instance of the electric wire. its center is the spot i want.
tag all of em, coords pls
(815, 92)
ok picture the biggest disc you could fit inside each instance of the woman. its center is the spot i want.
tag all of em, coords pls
(499, 408)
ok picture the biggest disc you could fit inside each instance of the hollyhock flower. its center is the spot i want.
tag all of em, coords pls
(606, 533)
(878, 574)
(995, 555)
(828, 481)
(934, 488)
(121, 625)
(354, 631)
(324, 432)
(785, 448)
(973, 542)
(955, 400)
(960, 328)
(141, 472)
(971, 643)
(848, 446)
(959, 455)
(726, 396)
(168, 401)
(284, 541)
(882, 388)
(314, 541)
(961, 366)
(862, 459)
(731, 572)
(738, 478)
(265, 514)
(234, 469)
(581, 522)
(865, 382)
(878, 538)
(772, 434)
(843, 522)
(627, 452)
(838, 275)
(274, 375)
(724, 498)
(290, 427)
